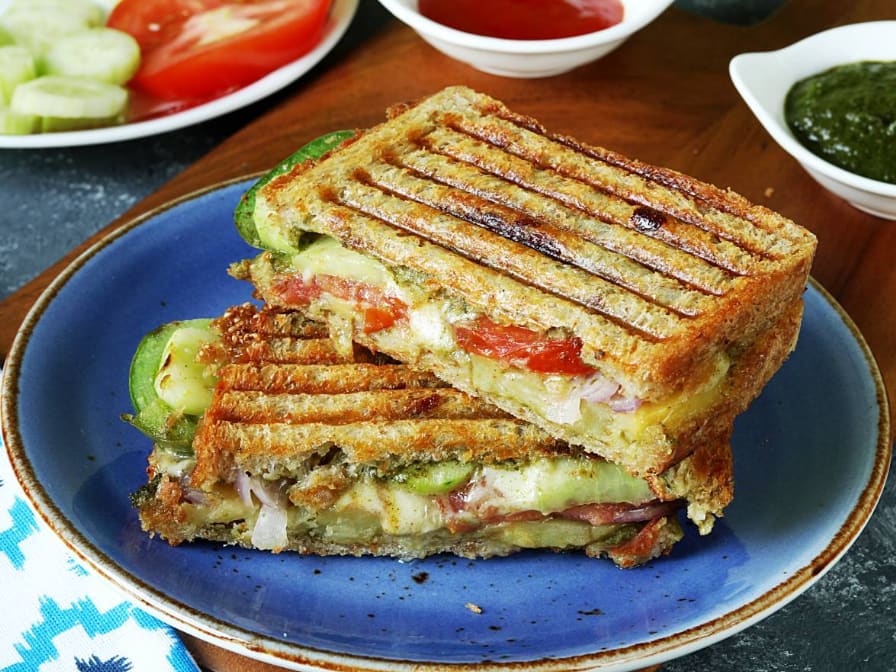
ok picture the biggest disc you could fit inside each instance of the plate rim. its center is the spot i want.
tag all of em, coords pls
(306, 658)
(342, 13)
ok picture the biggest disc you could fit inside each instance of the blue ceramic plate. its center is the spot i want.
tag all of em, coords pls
(811, 459)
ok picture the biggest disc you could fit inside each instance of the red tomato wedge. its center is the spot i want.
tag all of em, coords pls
(200, 49)
(523, 347)
(379, 310)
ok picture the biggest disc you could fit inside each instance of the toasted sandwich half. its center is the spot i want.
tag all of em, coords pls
(621, 307)
(301, 447)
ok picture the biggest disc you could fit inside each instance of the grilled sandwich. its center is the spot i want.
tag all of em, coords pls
(624, 308)
(301, 447)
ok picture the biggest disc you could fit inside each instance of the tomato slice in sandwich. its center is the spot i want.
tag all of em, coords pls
(523, 347)
(200, 49)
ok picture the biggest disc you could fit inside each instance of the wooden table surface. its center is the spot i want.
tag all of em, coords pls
(664, 97)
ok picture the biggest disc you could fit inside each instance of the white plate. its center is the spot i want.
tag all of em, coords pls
(340, 17)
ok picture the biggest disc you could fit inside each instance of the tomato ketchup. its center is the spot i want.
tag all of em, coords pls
(524, 19)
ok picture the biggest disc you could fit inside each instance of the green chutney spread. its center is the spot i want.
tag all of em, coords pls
(847, 116)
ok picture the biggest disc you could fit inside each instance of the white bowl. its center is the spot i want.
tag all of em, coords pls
(763, 80)
(527, 58)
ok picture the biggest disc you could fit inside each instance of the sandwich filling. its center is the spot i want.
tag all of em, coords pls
(396, 310)
(558, 503)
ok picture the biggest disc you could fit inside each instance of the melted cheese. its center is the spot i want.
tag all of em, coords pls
(325, 256)
(371, 506)
(429, 329)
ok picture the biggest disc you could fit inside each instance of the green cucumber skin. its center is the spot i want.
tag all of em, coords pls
(152, 416)
(436, 478)
(244, 215)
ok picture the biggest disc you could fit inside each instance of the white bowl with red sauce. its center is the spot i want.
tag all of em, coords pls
(526, 57)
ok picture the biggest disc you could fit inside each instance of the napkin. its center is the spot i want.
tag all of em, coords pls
(56, 615)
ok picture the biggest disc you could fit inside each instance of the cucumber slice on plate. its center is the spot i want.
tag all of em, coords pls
(99, 53)
(16, 67)
(37, 29)
(70, 103)
(13, 123)
(90, 11)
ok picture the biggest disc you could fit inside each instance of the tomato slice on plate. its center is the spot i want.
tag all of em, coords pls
(199, 49)
(523, 347)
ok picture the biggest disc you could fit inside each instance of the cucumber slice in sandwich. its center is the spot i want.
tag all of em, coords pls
(70, 103)
(169, 388)
(244, 215)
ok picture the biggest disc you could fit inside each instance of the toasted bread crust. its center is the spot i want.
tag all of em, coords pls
(656, 272)
(705, 477)
(273, 416)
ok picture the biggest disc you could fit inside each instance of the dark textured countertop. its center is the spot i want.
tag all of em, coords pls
(54, 199)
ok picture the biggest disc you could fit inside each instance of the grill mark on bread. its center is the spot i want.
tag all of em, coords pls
(248, 334)
(627, 179)
(259, 448)
(542, 235)
(560, 182)
(324, 378)
(510, 259)
(283, 350)
(673, 181)
(598, 228)
(260, 407)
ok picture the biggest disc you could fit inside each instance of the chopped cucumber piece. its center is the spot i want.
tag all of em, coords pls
(13, 123)
(33, 27)
(183, 382)
(561, 534)
(16, 66)
(99, 53)
(84, 102)
(62, 124)
(91, 12)
(436, 478)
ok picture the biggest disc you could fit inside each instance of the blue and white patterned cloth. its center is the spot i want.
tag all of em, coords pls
(55, 615)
